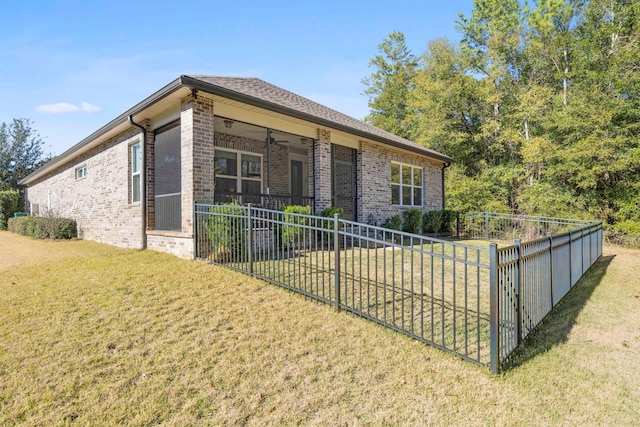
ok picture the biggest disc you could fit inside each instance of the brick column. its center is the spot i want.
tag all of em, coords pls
(322, 170)
(359, 184)
(196, 128)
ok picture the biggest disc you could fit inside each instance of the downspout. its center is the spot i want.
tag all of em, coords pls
(444, 166)
(143, 180)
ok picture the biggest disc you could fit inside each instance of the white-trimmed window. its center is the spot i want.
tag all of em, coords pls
(238, 172)
(135, 173)
(81, 171)
(406, 185)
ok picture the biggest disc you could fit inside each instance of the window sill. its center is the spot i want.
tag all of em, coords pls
(168, 233)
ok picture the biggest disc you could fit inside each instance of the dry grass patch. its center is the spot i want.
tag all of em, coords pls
(112, 336)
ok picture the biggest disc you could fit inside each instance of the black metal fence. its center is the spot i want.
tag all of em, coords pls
(475, 302)
(529, 278)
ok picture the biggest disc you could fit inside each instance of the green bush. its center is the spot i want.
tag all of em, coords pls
(226, 229)
(412, 221)
(432, 221)
(448, 221)
(43, 228)
(625, 233)
(392, 222)
(289, 234)
(438, 221)
(9, 204)
(329, 213)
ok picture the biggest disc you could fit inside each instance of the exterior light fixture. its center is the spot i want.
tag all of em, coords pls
(228, 123)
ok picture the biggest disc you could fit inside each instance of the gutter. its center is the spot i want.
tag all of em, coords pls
(143, 181)
(122, 118)
(444, 166)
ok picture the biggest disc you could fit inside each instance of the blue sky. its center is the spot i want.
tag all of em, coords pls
(72, 66)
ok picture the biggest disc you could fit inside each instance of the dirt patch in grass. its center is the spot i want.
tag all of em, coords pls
(95, 335)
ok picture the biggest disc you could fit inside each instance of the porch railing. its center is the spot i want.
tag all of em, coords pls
(266, 201)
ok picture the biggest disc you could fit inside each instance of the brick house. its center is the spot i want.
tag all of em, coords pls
(133, 182)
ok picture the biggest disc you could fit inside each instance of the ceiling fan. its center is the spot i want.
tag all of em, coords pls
(273, 141)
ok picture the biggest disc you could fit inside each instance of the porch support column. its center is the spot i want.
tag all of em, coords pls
(196, 122)
(322, 170)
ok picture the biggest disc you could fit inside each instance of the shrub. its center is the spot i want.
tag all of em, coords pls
(448, 220)
(9, 203)
(412, 220)
(290, 234)
(625, 233)
(43, 228)
(226, 229)
(329, 213)
(392, 222)
(432, 221)
(438, 221)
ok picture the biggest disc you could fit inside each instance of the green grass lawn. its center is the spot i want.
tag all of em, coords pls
(95, 335)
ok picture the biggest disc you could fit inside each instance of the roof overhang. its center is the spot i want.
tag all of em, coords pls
(180, 88)
(144, 109)
(237, 96)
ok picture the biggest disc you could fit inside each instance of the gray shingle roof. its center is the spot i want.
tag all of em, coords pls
(265, 94)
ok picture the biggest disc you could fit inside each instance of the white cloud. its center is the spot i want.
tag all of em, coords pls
(65, 107)
(85, 106)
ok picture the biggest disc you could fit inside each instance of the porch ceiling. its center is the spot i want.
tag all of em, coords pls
(241, 129)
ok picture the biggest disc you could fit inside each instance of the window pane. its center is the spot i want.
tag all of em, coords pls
(417, 196)
(135, 188)
(227, 163)
(395, 173)
(417, 177)
(251, 166)
(250, 187)
(226, 185)
(406, 175)
(135, 158)
(395, 194)
(406, 195)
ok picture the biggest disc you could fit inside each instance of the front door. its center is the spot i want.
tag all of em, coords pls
(296, 182)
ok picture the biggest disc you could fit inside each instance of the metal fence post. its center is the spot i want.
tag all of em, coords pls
(582, 250)
(538, 226)
(486, 225)
(550, 266)
(518, 287)
(250, 247)
(494, 301)
(336, 249)
(570, 260)
(195, 230)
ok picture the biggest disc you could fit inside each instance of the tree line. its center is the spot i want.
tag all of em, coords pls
(539, 105)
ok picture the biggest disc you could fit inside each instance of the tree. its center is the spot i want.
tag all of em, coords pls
(539, 105)
(389, 86)
(21, 152)
(447, 106)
